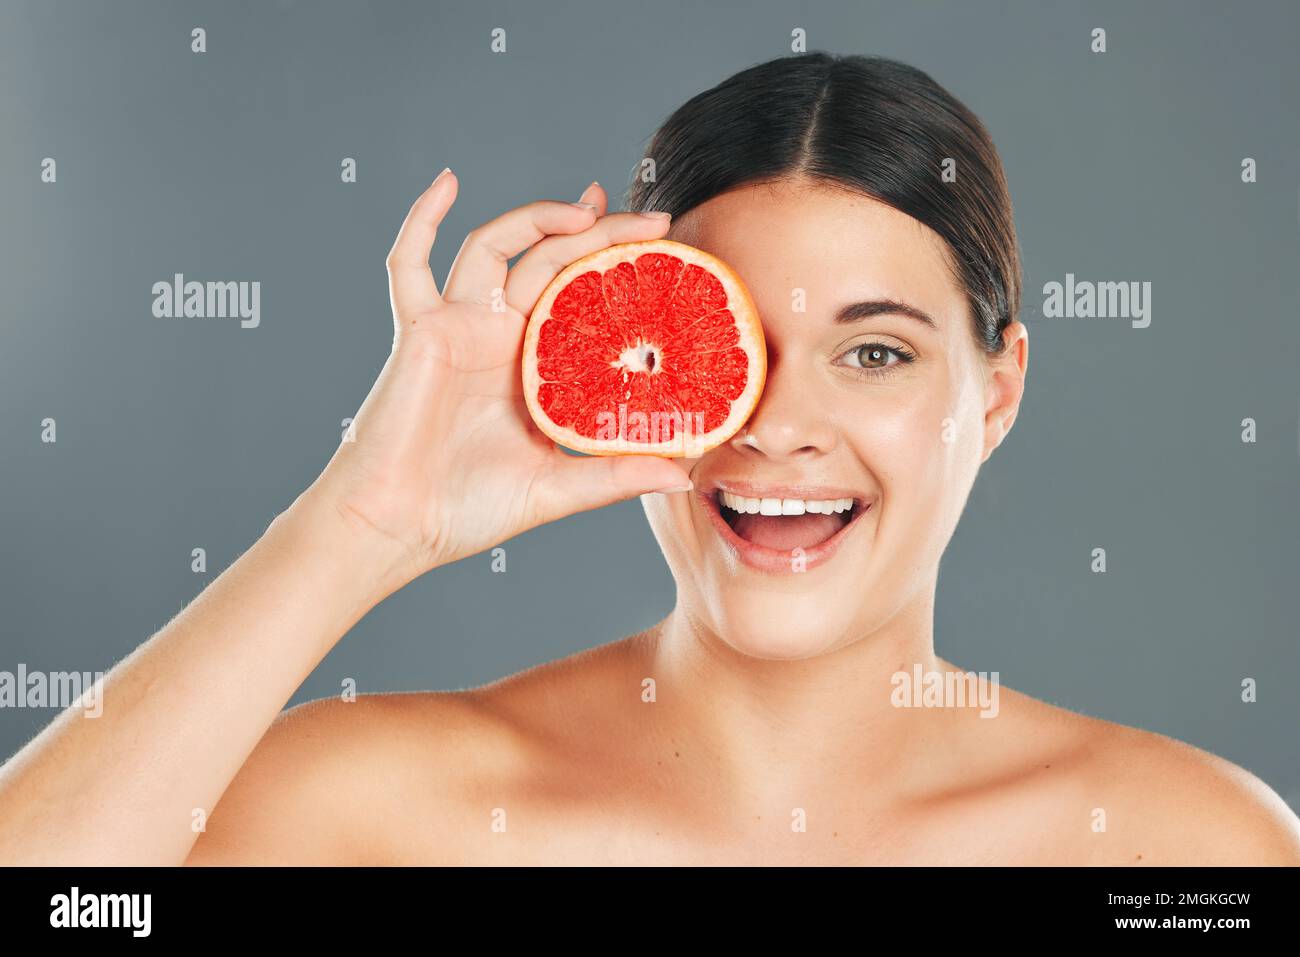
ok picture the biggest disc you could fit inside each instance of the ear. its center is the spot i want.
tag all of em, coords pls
(1005, 385)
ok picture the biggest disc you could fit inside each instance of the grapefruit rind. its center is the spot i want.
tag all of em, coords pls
(686, 443)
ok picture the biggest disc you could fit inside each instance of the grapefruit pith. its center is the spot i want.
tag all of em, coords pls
(649, 348)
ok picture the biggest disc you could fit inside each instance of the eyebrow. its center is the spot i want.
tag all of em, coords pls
(879, 307)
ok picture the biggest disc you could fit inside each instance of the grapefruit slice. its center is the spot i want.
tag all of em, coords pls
(646, 348)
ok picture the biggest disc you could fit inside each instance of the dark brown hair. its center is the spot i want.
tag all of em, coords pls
(870, 124)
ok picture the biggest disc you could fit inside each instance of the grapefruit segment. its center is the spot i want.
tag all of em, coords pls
(649, 348)
(581, 305)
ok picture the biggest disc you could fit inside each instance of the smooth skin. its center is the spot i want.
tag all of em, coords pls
(771, 696)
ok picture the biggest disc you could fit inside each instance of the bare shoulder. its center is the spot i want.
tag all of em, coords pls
(335, 781)
(1151, 799)
(1196, 808)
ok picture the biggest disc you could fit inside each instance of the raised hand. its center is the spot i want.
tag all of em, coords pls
(446, 461)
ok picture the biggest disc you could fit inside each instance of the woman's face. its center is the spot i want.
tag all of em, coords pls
(843, 415)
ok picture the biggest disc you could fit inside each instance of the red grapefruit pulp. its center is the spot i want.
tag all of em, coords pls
(651, 348)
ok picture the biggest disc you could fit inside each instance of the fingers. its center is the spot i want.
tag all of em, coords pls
(595, 194)
(410, 282)
(544, 261)
(481, 265)
(576, 484)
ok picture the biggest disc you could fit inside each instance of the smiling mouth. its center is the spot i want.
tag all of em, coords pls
(785, 524)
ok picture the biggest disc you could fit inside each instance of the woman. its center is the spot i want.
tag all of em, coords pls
(760, 721)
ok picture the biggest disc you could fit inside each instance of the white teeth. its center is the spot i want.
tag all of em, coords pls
(786, 506)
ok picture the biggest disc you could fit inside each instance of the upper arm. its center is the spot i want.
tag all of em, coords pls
(312, 792)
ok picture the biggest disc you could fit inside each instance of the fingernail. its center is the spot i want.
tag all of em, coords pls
(584, 205)
(445, 171)
(656, 214)
(676, 488)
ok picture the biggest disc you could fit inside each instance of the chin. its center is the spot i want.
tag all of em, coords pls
(779, 626)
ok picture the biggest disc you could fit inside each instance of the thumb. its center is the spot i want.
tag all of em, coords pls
(577, 484)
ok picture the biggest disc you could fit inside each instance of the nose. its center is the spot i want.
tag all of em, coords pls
(790, 419)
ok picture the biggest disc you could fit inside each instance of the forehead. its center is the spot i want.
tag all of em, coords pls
(838, 245)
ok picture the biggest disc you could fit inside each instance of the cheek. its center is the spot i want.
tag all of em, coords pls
(897, 432)
(916, 438)
(669, 517)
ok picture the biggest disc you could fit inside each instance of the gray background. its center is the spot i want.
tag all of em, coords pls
(174, 434)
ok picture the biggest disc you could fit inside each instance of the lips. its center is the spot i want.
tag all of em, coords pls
(803, 526)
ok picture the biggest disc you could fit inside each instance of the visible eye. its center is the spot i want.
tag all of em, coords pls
(873, 357)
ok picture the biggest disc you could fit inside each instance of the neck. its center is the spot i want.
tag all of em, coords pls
(772, 730)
